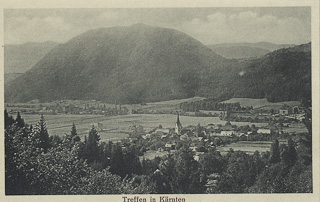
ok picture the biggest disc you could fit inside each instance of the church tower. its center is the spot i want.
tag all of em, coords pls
(178, 126)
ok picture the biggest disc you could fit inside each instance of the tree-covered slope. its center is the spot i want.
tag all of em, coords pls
(128, 64)
(141, 63)
(21, 58)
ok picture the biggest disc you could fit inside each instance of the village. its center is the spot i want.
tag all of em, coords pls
(161, 141)
(238, 125)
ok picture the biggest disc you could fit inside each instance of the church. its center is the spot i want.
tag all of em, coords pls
(178, 126)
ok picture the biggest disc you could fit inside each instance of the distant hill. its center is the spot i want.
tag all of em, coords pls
(133, 64)
(246, 50)
(236, 52)
(21, 58)
(282, 75)
(141, 63)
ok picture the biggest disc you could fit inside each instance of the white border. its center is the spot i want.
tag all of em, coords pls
(314, 197)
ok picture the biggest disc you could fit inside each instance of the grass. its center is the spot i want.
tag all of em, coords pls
(257, 103)
(248, 146)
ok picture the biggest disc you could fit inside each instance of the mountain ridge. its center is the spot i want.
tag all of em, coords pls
(142, 63)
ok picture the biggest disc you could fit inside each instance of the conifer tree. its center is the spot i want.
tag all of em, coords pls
(42, 133)
(73, 130)
(20, 121)
(187, 170)
(275, 152)
(8, 120)
(92, 145)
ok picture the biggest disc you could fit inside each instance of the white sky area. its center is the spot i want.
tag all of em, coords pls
(281, 25)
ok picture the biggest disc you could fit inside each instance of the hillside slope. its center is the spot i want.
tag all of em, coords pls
(246, 50)
(132, 64)
(282, 75)
(140, 63)
(21, 58)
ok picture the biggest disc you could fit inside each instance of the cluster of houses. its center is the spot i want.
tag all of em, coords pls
(197, 135)
(66, 108)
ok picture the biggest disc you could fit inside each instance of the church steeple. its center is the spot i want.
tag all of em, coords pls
(178, 125)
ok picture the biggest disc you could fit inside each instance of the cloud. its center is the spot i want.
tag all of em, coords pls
(110, 15)
(210, 28)
(23, 29)
(247, 26)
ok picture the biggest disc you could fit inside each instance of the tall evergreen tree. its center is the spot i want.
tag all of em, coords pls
(20, 121)
(117, 161)
(41, 133)
(275, 152)
(8, 120)
(187, 179)
(92, 145)
(74, 134)
(292, 157)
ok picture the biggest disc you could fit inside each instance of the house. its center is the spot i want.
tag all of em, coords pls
(184, 137)
(193, 148)
(161, 131)
(164, 136)
(227, 133)
(170, 146)
(264, 131)
(283, 111)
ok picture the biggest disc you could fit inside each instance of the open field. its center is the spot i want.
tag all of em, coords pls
(117, 127)
(163, 106)
(257, 103)
(248, 146)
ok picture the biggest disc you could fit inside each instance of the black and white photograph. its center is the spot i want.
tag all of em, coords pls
(152, 103)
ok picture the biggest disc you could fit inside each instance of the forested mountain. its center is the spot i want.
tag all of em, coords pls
(141, 63)
(246, 50)
(11, 76)
(284, 74)
(236, 52)
(128, 64)
(21, 58)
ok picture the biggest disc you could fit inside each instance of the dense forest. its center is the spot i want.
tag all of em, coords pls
(39, 164)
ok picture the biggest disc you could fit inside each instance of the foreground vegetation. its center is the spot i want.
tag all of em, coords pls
(36, 163)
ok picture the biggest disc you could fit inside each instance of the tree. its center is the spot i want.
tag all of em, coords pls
(41, 135)
(187, 173)
(275, 152)
(198, 130)
(117, 161)
(8, 120)
(240, 173)
(92, 145)
(211, 162)
(19, 120)
(74, 135)
(73, 130)
(289, 154)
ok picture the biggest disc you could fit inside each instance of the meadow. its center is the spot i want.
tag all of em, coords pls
(261, 103)
(249, 146)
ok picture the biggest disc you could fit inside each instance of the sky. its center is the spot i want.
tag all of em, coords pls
(279, 25)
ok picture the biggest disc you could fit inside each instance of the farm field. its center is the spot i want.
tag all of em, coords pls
(118, 127)
(257, 103)
(248, 146)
